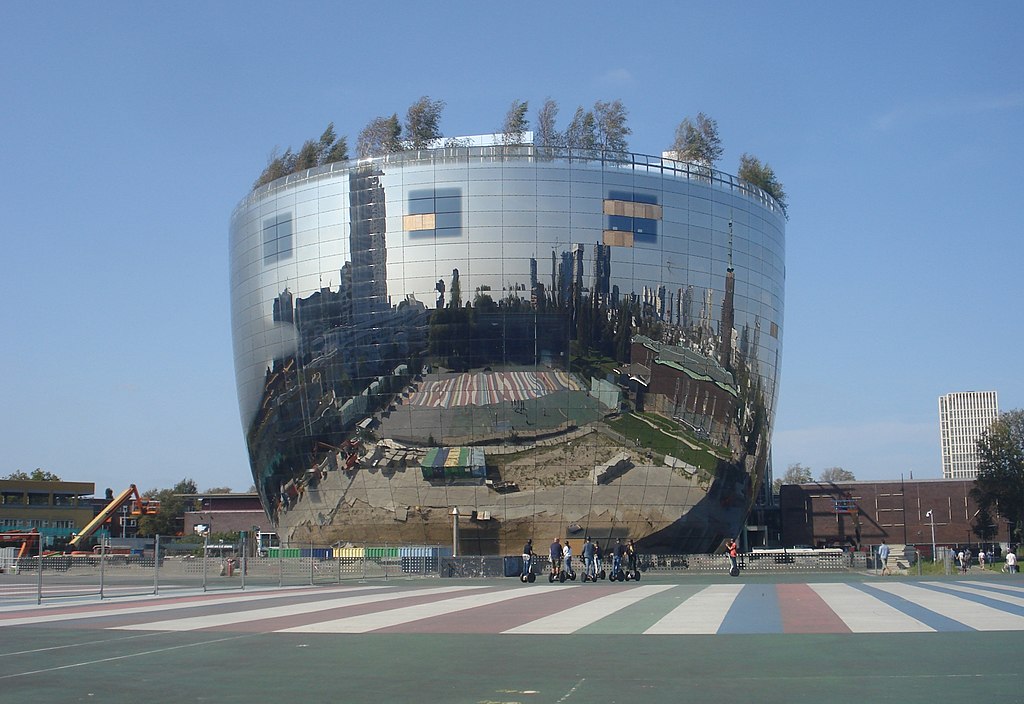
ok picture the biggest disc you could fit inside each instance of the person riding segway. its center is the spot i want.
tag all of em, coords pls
(620, 551)
(528, 560)
(631, 571)
(589, 570)
(555, 553)
(567, 570)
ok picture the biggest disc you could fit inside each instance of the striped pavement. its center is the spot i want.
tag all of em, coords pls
(543, 609)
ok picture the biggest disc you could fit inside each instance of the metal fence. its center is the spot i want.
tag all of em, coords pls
(171, 568)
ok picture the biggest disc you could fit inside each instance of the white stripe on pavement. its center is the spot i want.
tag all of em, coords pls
(701, 613)
(577, 617)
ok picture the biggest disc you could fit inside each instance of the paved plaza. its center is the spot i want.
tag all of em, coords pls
(671, 639)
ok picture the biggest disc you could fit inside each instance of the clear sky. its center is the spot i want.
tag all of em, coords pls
(129, 131)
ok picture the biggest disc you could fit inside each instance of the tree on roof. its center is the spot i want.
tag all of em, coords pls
(423, 122)
(382, 135)
(516, 122)
(763, 176)
(697, 141)
(547, 134)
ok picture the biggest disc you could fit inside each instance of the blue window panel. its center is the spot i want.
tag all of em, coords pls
(620, 222)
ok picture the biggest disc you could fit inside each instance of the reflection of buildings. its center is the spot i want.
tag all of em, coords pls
(327, 374)
(963, 418)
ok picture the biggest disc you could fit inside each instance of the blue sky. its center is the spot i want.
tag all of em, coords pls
(131, 130)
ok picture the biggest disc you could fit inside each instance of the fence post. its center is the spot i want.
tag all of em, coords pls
(156, 565)
(206, 552)
(103, 560)
(39, 576)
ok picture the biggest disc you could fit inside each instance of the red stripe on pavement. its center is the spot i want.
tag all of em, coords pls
(803, 611)
(495, 618)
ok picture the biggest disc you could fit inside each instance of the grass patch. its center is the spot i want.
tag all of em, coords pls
(663, 443)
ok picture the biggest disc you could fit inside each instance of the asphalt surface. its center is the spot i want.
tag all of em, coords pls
(665, 639)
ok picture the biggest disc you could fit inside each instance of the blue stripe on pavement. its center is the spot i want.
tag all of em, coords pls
(755, 610)
(925, 616)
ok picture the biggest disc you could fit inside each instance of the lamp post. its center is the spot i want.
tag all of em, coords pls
(931, 518)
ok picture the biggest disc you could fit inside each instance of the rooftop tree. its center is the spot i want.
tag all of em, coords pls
(383, 135)
(516, 123)
(547, 134)
(423, 123)
(610, 119)
(582, 131)
(762, 175)
(698, 141)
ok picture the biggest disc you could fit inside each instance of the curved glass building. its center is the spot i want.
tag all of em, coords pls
(555, 343)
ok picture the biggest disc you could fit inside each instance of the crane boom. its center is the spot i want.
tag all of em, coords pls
(131, 494)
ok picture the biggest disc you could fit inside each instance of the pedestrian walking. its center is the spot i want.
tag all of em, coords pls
(883, 558)
(1011, 561)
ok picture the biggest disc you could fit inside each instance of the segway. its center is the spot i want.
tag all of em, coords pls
(528, 575)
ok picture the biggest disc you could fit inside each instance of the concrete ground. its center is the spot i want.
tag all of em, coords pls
(806, 638)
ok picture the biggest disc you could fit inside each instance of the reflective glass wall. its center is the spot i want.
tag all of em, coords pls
(555, 344)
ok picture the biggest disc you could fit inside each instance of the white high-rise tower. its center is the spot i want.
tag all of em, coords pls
(963, 417)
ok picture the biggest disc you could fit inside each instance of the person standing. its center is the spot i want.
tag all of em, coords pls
(597, 560)
(883, 557)
(981, 558)
(567, 557)
(733, 551)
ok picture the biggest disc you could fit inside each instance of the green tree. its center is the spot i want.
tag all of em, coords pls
(582, 131)
(698, 141)
(547, 134)
(36, 475)
(836, 474)
(423, 122)
(763, 176)
(610, 119)
(516, 122)
(170, 518)
(999, 484)
(795, 474)
(308, 156)
(278, 165)
(383, 135)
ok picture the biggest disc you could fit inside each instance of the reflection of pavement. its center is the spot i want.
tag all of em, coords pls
(486, 388)
(844, 639)
(450, 408)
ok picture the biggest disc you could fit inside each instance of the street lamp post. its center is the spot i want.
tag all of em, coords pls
(932, 519)
(455, 532)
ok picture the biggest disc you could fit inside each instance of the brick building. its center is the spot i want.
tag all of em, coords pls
(858, 514)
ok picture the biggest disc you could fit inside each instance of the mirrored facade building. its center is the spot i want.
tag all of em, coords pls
(555, 343)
